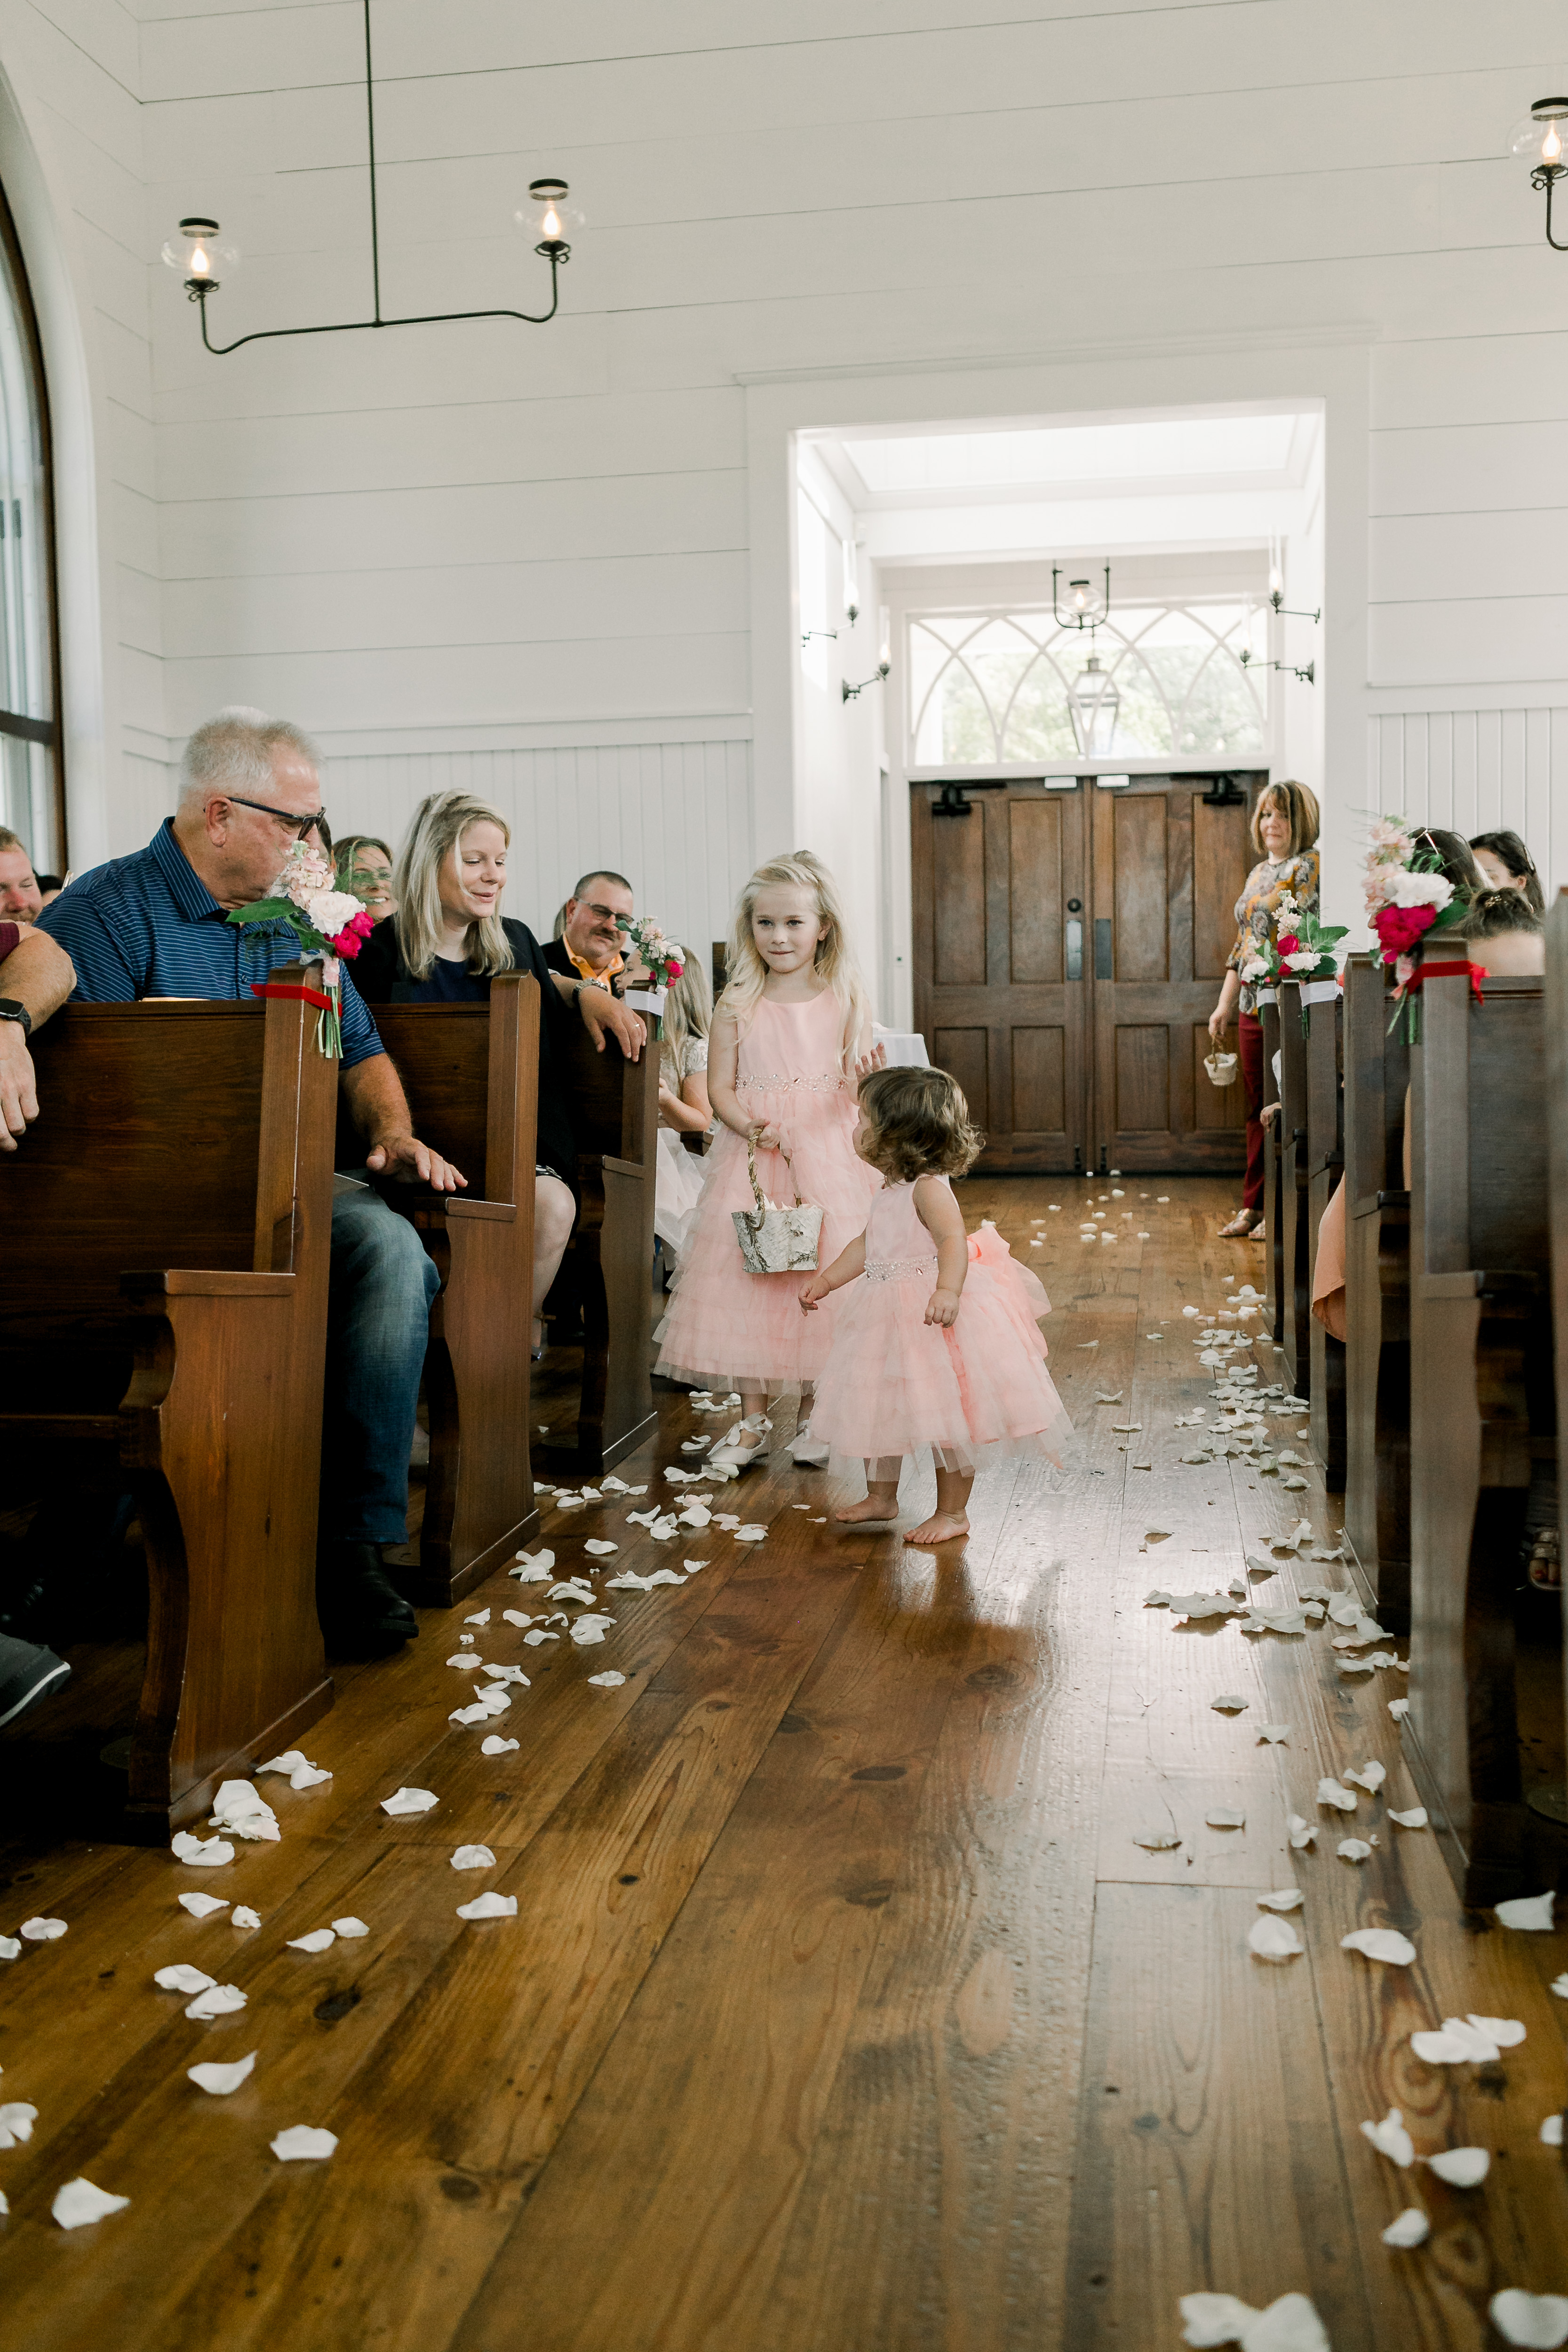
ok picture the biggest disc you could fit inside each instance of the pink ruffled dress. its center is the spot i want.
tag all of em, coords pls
(745, 1330)
(896, 1384)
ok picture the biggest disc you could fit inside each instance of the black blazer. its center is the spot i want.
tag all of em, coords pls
(381, 978)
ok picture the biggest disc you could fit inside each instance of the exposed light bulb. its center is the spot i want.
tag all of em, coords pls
(200, 266)
(1275, 580)
(552, 223)
(1552, 145)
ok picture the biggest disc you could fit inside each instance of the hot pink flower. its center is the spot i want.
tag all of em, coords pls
(676, 970)
(1290, 945)
(1399, 928)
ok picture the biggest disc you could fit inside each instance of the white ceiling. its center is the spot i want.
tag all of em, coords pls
(1139, 456)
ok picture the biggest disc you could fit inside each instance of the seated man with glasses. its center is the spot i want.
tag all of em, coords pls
(588, 941)
(154, 924)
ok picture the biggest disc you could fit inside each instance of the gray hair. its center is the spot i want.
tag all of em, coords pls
(236, 747)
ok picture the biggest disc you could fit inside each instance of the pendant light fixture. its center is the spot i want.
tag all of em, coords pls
(1086, 605)
(203, 259)
(1095, 704)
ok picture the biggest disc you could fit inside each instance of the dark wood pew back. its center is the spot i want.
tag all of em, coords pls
(1295, 1295)
(1481, 1376)
(1325, 1166)
(609, 1265)
(1273, 1203)
(1377, 1289)
(1557, 1170)
(471, 1074)
(165, 1325)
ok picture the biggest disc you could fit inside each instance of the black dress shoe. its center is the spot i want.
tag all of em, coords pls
(363, 1613)
(27, 1676)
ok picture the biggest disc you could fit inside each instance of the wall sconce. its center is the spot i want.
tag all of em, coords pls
(1086, 606)
(197, 254)
(1542, 134)
(1277, 604)
(1308, 676)
(853, 693)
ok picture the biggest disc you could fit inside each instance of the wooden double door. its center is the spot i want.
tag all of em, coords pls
(1068, 949)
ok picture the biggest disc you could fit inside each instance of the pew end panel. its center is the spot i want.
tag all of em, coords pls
(1557, 1167)
(471, 1073)
(1325, 1171)
(1273, 1211)
(1296, 1298)
(1482, 1410)
(193, 1140)
(608, 1268)
(1377, 1302)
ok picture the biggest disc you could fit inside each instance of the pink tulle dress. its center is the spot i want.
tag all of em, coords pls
(896, 1384)
(745, 1330)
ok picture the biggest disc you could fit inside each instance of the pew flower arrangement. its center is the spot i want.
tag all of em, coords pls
(665, 960)
(1406, 897)
(1305, 948)
(331, 926)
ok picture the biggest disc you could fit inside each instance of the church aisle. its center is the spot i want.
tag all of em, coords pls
(842, 2008)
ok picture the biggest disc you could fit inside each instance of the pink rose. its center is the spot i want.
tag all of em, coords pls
(1290, 945)
(676, 970)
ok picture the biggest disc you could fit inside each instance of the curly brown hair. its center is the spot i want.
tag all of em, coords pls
(917, 1124)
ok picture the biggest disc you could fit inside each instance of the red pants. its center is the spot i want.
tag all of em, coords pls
(1250, 1044)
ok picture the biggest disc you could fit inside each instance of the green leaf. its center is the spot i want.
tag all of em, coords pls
(266, 910)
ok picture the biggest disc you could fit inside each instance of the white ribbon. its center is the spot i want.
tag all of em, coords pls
(1318, 991)
(1269, 996)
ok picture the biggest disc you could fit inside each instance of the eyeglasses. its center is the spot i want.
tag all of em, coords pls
(591, 906)
(301, 825)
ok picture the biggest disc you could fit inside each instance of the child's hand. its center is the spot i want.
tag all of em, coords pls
(1268, 1114)
(942, 1307)
(812, 1295)
(767, 1139)
(877, 1059)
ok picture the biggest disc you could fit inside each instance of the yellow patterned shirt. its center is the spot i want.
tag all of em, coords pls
(1255, 909)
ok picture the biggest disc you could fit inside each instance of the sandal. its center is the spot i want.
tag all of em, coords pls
(1239, 1228)
(1544, 1567)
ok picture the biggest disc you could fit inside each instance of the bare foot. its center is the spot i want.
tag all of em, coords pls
(942, 1526)
(875, 1506)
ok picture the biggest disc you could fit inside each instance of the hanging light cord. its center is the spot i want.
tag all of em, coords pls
(556, 250)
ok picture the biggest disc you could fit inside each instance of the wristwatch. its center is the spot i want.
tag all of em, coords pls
(10, 1010)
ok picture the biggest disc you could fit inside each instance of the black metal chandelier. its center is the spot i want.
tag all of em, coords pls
(199, 256)
(1087, 607)
(1542, 135)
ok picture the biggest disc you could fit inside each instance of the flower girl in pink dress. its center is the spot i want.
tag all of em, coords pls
(788, 1042)
(959, 1366)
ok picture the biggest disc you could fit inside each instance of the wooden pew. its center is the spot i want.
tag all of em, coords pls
(1557, 1166)
(1377, 1290)
(608, 1266)
(1273, 1208)
(1480, 1380)
(471, 1074)
(1295, 1295)
(1325, 1168)
(195, 1141)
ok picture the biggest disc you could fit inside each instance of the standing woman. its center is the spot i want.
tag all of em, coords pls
(443, 944)
(1284, 834)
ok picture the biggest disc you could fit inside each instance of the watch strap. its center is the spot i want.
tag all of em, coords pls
(11, 1009)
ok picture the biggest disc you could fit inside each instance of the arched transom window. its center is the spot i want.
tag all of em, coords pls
(1155, 681)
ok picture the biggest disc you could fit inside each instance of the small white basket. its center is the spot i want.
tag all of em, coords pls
(1222, 1068)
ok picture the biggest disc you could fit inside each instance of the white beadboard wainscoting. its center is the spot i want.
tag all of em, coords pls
(1477, 770)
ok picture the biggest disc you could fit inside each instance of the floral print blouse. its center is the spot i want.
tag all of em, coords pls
(1260, 896)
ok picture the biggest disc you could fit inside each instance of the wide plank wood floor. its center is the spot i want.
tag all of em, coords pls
(842, 2011)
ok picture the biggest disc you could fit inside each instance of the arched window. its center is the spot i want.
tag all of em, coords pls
(990, 690)
(32, 783)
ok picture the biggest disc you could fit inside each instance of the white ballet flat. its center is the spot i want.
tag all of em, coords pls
(730, 1455)
(807, 1453)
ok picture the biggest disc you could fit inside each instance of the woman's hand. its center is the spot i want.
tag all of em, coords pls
(1219, 1019)
(942, 1307)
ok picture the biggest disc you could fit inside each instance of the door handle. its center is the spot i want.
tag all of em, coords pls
(1075, 951)
(1103, 963)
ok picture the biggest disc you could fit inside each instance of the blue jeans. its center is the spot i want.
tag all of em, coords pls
(378, 1320)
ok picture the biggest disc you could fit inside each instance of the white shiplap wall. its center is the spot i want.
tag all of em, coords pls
(1476, 772)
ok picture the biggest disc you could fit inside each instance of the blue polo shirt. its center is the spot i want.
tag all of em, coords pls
(147, 925)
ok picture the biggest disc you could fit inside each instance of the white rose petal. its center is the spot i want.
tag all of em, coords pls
(408, 1800)
(79, 2201)
(608, 1680)
(1391, 2139)
(1528, 1911)
(1538, 2321)
(1353, 1850)
(182, 1978)
(244, 1917)
(494, 1747)
(1414, 1818)
(221, 2000)
(221, 2080)
(473, 1858)
(1273, 1940)
(351, 1927)
(320, 1941)
(301, 2142)
(202, 1907)
(1461, 2168)
(1412, 2228)
(489, 1906)
(1386, 1944)
(201, 1853)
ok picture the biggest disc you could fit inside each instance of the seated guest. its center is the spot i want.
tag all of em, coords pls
(154, 924)
(446, 941)
(1507, 864)
(21, 896)
(36, 978)
(363, 864)
(588, 940)
(683, 1105)
(49, 889)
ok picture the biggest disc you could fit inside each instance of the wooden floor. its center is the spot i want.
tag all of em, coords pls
(841, 2012)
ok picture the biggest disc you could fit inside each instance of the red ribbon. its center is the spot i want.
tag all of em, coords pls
(306, 995)
(1451, 971)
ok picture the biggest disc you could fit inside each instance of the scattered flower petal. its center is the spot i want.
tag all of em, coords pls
(182, 1978)
(1284, 1898)
(1226, 1817)
(351, 1927)
(1273, 1940)
(201, 1853)
(599, 1548)
(301, 2141)
(202, 1907)
(473, 1858)
(408, 1800)
(1461, 2168)
(1353, 1850)
(1527, 1911)
(221, 2080)
(494, 1747)
(42, 1931)
(489, 1906)
(609, 1680)
(220, 2001)
(1412, 2228)
(1386, 1944)
(1414, 1818)
(1537, 2321)
(79, 2201)
(1391, 2139)
(244, 1917)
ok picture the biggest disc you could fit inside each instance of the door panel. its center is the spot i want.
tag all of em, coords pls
(1077, 1032)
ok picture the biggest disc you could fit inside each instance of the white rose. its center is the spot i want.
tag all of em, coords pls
(1304, 960)
(1419, 890)
(329, 910)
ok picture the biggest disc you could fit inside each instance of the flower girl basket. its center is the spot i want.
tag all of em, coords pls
(777, 1240)
(1221, 1068)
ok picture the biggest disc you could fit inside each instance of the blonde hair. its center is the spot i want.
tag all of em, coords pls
(1298, 804)
(688, 1014)
(916, 1123)
(441, 821)
(833, 962)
